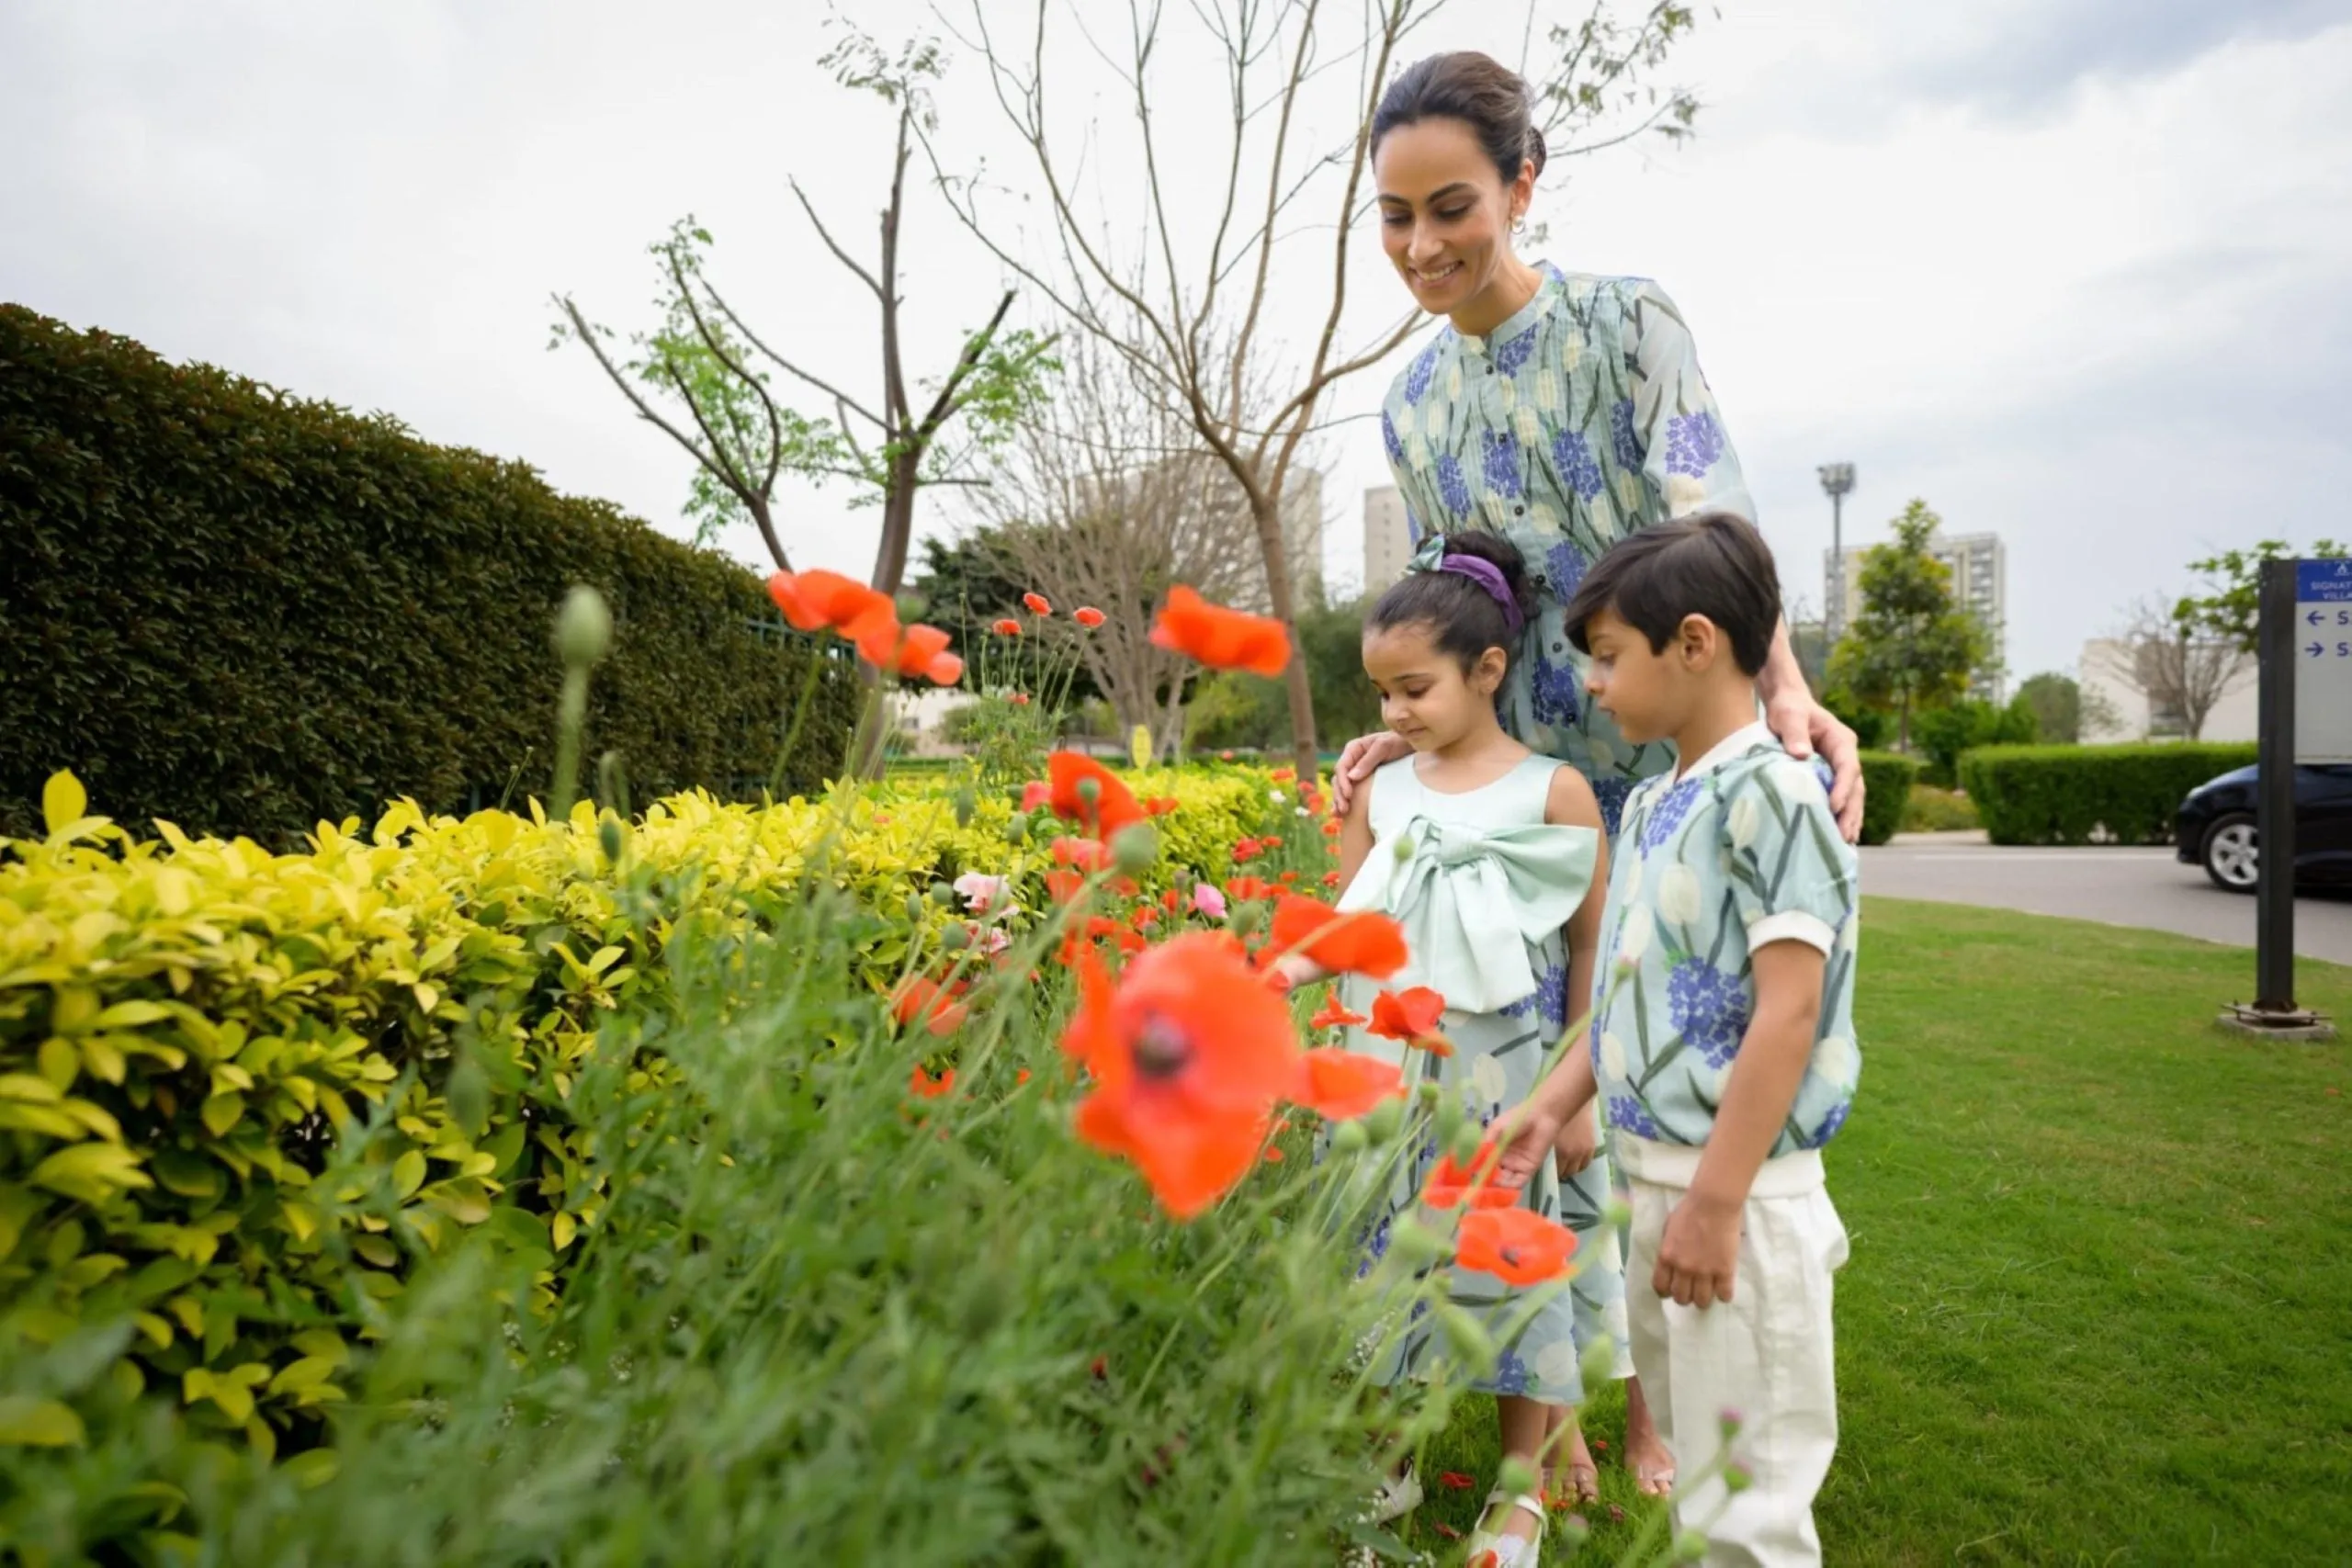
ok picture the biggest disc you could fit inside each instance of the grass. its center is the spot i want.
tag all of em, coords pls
(1933, 810)
(2100, 1307)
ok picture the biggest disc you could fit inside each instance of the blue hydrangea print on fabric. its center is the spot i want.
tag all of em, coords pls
(1668, 815)
(1579, 467)
(1417, 379)
(1376, 1247)
(1413, 529)
(1450, 486)
(1513, 1374)
(1829, 1124)
(1554, 687)
(1709, 1009)
(1388, 439)
(1551, 996)
(1694, 441)
(1512, 355)
(1502, 461)
(1621, 436)
(1625, 1114)
(1611, 793)
(1563, 570)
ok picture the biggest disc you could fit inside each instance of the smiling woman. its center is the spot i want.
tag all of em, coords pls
(1563, 411)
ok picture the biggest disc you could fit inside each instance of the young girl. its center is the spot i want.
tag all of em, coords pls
(1499, 884)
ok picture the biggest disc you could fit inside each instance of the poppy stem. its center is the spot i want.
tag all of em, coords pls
(799, 718)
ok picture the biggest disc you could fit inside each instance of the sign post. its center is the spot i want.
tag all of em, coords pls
(2305, 700)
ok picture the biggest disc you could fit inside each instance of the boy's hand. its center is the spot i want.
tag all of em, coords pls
(1699, 1254)
(1579, 1141)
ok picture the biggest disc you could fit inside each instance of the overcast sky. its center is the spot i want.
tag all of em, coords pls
(2078, 272)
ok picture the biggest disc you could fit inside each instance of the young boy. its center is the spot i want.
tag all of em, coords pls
(1723, 1042)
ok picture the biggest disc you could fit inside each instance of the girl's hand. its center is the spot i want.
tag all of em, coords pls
(1577, 1143)
(1289, 973)
(1363, 757)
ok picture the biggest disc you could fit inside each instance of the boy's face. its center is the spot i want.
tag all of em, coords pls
(1425, 694)
(1647, 693)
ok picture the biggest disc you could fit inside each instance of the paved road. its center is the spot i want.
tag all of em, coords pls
(2115, 886)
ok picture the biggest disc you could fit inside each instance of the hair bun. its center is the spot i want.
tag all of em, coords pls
(1535, 149)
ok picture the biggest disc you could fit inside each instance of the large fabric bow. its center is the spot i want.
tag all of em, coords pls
(1472, 899)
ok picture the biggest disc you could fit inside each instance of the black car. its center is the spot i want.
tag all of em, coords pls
(2215, 828)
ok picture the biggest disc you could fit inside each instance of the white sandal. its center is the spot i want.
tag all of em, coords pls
(1399, 1495)
(1508, 1551)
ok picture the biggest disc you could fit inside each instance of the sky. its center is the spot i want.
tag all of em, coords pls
(2077, 272)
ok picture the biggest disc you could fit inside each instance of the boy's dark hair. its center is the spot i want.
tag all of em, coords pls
(1486, 95)
(1714, 565)
(1463, 617)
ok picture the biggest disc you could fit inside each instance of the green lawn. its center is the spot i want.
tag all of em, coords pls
(2100, 1307)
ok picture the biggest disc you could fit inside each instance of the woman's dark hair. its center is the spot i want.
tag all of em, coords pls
(1470, 87)
(1464, 619)
(1714, 565)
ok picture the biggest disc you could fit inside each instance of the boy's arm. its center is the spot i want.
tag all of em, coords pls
(1699, 1254)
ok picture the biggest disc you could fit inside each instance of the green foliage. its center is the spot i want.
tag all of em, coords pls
(2230, 607)
(1869, 725)
(1943, 734)
(247, 613)
(967, 583)
(1886, 791)
(2084, 794)
(1911, 648)
(1933, 810)
(2065, 710)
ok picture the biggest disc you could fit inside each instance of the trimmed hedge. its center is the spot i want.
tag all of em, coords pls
(1886, 789)
(2084, 794)
(243, 612)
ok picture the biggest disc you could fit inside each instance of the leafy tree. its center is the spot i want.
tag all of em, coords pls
(711, 371)
(1912, 647)
(1945, 733)
(2065, 710)
(2230, 607)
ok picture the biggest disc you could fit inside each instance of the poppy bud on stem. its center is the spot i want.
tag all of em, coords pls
(583, 631)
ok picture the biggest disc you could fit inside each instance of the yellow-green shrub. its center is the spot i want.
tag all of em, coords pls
(188, 1025)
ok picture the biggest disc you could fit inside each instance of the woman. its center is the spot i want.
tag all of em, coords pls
(1564, 411)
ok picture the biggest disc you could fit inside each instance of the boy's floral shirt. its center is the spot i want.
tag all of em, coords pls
(1739, 852)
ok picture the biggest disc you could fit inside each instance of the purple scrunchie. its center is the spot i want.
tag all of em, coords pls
(1489, 576)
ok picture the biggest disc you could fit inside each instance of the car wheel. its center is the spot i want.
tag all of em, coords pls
(2234, 854)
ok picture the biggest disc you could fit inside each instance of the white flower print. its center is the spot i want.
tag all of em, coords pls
(1746, 818)
(1548, 396)
(1530, 428)
(1678, 894)
(1487, 1080)
(1684, 495)
(1629, 492)
(1572, 346)
(1417, 451)
(1555, 1364)
(1849, 936)
(1506, 393)
(1497, 509)
(1613, 1317)
(1635, 940)
(1612, 1058)
(1604, 755)
(1794, 781)
(1836, 1060)
(1608, 1256)
(1452, 384)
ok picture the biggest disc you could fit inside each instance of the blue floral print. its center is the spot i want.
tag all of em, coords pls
(1502, 462)
(1694, 441)
(1396, 448)
(1554, 685)
(1627, 1114)
(1417, 378)
(1513, 1374)
(1622, 435)
(1512, 355)
(1451, 485)
(1668, 815)
(1709, 1009)
(1579, 470)
(1829, 1124)
(1610, 792)
(1563, 569)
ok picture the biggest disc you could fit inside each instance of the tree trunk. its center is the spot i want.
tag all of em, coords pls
(897, 523)
(1267, 512)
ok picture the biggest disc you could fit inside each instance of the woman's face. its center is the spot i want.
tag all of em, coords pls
(1445, 215)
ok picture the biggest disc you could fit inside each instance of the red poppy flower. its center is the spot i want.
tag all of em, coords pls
(1330, 879)
(1343, 1085)
(1454, 1481)
(1451, 1183)
(1145, 917)
(931, 1004)
(1162, 806)
(1063, 887)
(1358, 942)
(1449, 1533)
(1188, 1053)
(1225, 756)
(1173, 900)
(1038, 603)
(1019, 699)
(1247, 850)
(1006, 627)
(1081, 854)
(825, 601)
(1335, 1015)
(1272, 842)
(1034, 794)
(923, 651)
(1288, 878)
(924, 1087)
(1113, 806)
(1517, 1246)
(1090, 617)
(1407, 1017)
(1248, 889)
(1219, 637)
(1284, 775)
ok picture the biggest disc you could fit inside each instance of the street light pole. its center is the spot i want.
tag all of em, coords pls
(1838, 481)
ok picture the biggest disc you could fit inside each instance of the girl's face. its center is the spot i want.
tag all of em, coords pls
(1446, 216)
(1425, 694)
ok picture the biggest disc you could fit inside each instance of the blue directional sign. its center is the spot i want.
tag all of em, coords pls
(2324, 661)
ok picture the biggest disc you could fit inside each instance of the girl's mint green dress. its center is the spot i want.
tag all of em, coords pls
(1482, 890)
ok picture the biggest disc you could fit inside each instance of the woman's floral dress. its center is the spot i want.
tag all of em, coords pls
(1580, 420)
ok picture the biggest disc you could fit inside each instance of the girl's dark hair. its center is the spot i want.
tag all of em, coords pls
(1463, 618)
(1470, 87)
(1714, 564)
